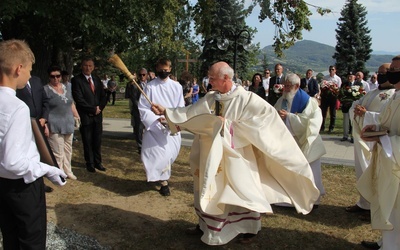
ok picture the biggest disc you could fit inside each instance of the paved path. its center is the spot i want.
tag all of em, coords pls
(337, 152)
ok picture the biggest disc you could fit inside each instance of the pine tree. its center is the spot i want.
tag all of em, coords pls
(228, 18)
(353, 47)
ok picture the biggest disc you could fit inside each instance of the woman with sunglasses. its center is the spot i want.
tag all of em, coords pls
(61, 119)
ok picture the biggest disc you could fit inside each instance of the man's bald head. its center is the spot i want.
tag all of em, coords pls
(383, 68)
(382, 79)
(220, 77)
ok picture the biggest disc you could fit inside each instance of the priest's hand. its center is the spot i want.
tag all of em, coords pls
(283, 114)
(158, 109)
(359, 111)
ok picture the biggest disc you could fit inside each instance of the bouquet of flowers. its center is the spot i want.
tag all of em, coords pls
(351, 93)
(329, 88)
(278, 88)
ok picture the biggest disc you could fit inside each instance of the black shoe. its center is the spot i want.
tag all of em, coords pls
(164, 191)
(246, 238)
(351, 140)
(90, 169)
(194, 230)
(370, 244)
(344, 139)
(139, 150)
(48, 189)
(356, 209)
(100, 167)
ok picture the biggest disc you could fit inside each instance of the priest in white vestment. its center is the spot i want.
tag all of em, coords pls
(302, 116)
(362, 112)
(243, 159)
(159, 147)
(379, 184)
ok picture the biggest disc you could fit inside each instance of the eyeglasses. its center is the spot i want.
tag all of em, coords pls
(54, 76)
(267, 73)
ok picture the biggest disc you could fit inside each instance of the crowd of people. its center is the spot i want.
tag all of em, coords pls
(238, 173)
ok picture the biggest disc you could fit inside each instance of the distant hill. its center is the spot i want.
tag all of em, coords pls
(317, 56)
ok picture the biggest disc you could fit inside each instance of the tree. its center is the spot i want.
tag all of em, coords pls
(353, 46)
(226, 24)
(62, 32)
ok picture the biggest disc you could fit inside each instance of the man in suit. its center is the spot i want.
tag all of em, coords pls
(90, 100)
(133, 93)
(272, 96)
(309, 84)
(346, 105)
(329, 99)
(35, 97)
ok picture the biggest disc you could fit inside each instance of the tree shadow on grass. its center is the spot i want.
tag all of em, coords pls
(332, 216)
(121, 229)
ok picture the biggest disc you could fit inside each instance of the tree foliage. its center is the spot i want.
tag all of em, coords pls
(290, 18)
(353, 48)
(61, 32)
(226, 22)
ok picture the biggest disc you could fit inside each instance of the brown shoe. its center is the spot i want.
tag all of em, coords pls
(356, 209)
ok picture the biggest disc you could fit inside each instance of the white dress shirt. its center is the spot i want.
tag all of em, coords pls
(19, 156)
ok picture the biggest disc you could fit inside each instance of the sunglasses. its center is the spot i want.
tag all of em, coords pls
(54, 76)
(393, 77)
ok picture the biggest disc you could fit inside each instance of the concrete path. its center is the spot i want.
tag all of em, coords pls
(337, 152)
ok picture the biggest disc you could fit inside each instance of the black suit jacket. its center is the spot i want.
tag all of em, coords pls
(272, 96)
(312, 86)
(38, 102)
(86, 101)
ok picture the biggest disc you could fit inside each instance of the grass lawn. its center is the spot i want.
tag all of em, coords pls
(122, 211)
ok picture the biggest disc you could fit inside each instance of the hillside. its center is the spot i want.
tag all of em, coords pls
(317, 56)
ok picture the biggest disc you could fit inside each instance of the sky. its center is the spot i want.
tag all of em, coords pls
(383, 21)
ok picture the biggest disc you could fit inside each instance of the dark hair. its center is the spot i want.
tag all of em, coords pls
(64, 73)
(396, 58)
(86, 59)
(254, 76)
(164, 61)
(53, 68)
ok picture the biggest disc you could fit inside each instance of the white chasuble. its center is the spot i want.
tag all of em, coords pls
(255, 163)
(380, 182)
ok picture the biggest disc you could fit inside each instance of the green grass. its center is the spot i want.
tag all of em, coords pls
(119, 110)
(122, 211)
